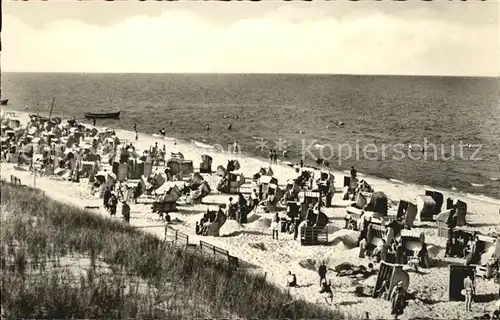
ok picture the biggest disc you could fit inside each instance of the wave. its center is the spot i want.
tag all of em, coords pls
(482, 197)
(396, 180)
(477, 185)
(202, 145)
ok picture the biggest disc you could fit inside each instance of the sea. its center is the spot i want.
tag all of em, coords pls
(442, 132)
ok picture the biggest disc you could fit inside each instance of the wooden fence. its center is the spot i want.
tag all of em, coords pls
(180, 239)
(15, 180)
(177, 238)
(218, 254)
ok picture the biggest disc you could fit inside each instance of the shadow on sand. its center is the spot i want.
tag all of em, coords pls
(249, 232)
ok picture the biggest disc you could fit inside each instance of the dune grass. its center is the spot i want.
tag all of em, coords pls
(37, 232)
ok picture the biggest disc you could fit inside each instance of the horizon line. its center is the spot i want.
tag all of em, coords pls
(262, 73)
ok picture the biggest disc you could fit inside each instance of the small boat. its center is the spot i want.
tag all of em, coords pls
(4, 102)
(109, 115)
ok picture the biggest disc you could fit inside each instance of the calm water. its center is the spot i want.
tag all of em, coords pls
(380, 110)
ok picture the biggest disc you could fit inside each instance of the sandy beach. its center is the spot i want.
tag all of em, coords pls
(253, 242)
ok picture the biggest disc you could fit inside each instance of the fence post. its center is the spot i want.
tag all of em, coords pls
(187, 242)
(214, 253)
(176, 236)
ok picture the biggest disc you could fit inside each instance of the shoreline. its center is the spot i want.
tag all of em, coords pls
(373, 179)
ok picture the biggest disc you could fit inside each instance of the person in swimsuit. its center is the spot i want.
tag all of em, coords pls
(469, 292)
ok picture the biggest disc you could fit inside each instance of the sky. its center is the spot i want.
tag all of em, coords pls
(338, 37)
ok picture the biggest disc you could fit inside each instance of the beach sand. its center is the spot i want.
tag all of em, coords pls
(253, 243)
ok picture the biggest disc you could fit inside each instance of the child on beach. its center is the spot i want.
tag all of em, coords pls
(275, 225)
(291, 280)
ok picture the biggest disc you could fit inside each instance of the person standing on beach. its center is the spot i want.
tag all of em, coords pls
(398, 301)
(469, 292)
(135, 131)
(275, 157)
(322, 273)
(106, 197)
(229, 208)
(93, 122)
(275, 225)
(208, 128)
(271, 156)
(353, 172)
(126, 211)
(113, 201)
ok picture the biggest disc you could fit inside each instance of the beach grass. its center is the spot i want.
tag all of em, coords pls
(146, 278)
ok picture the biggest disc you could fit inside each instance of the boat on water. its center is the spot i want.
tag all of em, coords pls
(108, 115)
(4, 102)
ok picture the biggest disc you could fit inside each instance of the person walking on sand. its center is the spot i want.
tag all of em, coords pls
(271, 156)
(106, 197)
(126, 212)
(275, 225)
(398, 301)
(93, 122)
(322, 273)
(469, 292)
(113, 201)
